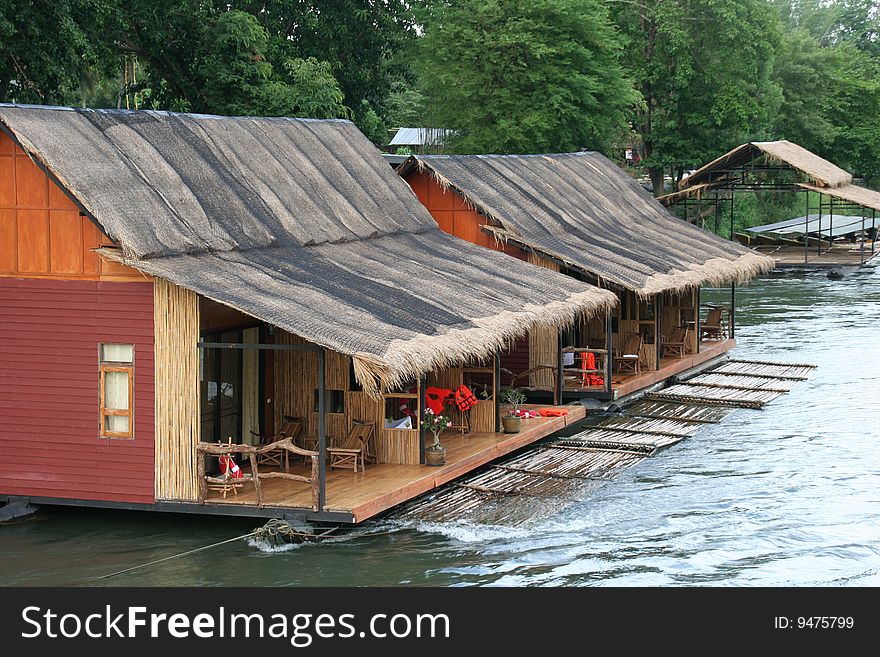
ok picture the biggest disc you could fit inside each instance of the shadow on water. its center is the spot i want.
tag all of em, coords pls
(784, 496)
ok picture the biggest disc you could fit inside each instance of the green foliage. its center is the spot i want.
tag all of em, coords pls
(54, 52)
(703, 69)
(523, 76)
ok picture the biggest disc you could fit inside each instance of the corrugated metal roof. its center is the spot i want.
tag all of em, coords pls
(420, 137)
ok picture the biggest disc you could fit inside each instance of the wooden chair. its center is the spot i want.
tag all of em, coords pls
(712, 328)
(291, 428)
(354, 448)
(526, 376)
(630, 357)
(677, 343)
(226, 482)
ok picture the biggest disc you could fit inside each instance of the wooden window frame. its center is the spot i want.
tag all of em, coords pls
(104, 368)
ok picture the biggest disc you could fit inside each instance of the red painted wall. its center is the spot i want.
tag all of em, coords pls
(454, 216)
(49, 397)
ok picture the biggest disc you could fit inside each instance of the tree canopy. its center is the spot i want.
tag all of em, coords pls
(679, 81)
(523, 76)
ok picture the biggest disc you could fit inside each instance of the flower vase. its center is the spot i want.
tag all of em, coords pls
(436, 453)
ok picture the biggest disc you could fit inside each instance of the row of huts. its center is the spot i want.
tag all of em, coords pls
(169, 282)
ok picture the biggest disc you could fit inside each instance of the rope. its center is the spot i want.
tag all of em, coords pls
(174, 556)
(269, 532)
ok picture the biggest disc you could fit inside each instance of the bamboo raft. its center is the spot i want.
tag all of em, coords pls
(679, 411)
(734, 397)
(668, 427)
(796, 372)
(549, 476)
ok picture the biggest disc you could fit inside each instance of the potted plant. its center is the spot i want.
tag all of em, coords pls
(435, 454)
(514, 397)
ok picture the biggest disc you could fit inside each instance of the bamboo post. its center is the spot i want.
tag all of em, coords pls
(423, 384)
(316, 489)
(807, 230)
(496, 391)
(730, 316)
(256, 476)
(658, 349)
(322, 435)
(557, 391)
(862, 247)
(609, 359)
(203, 484)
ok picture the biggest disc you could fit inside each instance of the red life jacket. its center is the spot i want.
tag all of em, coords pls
(464, 398)
(435, 398)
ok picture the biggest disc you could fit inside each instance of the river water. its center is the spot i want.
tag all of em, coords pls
(786, 496)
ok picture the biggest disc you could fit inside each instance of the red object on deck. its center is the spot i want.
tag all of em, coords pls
(552, 412)
(49, 389)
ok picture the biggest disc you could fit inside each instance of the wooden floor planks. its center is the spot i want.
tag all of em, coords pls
(383, 486)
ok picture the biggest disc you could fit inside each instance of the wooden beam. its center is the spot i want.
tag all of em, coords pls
(322, 435)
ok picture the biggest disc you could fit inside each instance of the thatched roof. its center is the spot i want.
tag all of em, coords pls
(822, 172)
(299, 223)
(853, 193)
(582, 210)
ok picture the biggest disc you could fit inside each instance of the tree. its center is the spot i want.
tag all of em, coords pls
(523, 75)
(54, 52)
(703, 70)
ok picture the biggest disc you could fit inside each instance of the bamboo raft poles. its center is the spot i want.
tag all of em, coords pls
(744, 382)
(554, 474)
(663, 427)
(715, 396)
(797, 372)
(679, 411)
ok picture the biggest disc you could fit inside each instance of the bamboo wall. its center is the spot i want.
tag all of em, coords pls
(543, 341)
(296, 381)
(178, 430)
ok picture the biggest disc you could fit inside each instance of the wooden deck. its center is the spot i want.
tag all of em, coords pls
(840, 255)
(627, 384)
(366, 494)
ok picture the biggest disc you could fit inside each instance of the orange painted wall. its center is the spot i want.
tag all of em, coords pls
(453, 215)
(42, 233)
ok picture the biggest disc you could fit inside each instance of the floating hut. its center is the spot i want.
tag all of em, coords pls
(183, 293)
(579, 214)
(840, 229)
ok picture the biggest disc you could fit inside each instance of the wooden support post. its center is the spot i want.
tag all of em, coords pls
(730, 316)
(200, 472)
(864, 237)
(731, 214)
(609, 357)
(557, 392)
(819, 233)
(658, 348)
(873, 229)
(322, 434)
(830, 225)
(423, 384)
(697, 319)
(252, 457)
(807, 231)
(496, 391)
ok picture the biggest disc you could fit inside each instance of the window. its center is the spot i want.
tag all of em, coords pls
(117, 374)
(334, 401)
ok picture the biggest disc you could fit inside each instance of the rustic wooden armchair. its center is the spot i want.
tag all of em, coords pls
(630, 357)
(355, 448)
(526, 377)
(677, 343)
(291, 428)
(712, 328)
